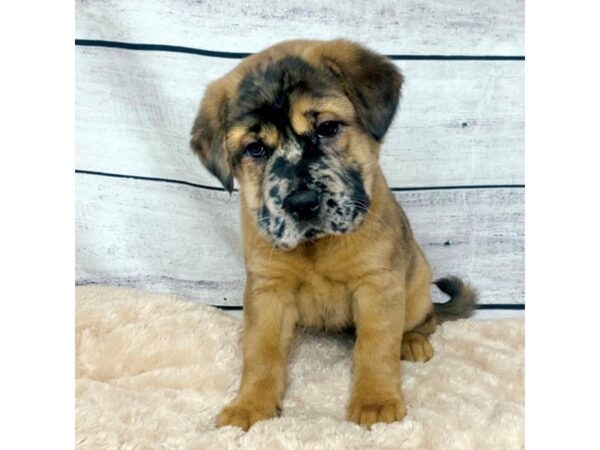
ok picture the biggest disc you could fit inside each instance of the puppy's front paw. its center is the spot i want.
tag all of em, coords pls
(243, 416)
(367, 413)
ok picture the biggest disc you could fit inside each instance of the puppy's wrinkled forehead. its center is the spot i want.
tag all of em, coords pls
(281, 92)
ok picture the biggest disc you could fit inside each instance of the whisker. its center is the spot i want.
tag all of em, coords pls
(272, 251)
(365, 208)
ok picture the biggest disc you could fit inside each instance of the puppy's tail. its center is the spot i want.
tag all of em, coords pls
(462, 299)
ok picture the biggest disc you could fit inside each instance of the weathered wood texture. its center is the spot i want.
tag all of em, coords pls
(183, 239)
(448, 27)
(460, 123)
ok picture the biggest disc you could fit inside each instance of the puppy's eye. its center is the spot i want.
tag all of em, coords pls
(328, 129)
(256, 150)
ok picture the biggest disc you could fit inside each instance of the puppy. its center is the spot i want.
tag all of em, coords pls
(299, 126)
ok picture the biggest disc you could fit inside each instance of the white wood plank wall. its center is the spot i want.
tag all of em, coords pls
(149, 215)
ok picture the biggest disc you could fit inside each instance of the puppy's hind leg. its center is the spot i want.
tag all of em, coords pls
(415, 343)
(421, 321)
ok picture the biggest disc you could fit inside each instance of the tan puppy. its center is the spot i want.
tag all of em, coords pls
(326, 245)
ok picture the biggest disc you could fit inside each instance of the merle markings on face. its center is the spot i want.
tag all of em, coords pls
(305, 200)
(308, 188)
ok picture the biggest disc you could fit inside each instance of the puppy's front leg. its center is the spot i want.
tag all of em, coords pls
(270, 317)
(379, 317)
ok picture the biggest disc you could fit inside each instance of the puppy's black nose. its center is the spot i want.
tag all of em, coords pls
(302, 205)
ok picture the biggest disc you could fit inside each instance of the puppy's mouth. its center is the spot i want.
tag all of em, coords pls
(308, 215)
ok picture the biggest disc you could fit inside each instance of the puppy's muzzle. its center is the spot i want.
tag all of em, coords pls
(302, 204)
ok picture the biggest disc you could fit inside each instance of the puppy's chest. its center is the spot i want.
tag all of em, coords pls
(324, 303)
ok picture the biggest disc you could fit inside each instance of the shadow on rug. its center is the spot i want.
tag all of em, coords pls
(154, 370)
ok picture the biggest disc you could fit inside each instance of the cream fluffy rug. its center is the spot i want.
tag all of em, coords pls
(153, 371)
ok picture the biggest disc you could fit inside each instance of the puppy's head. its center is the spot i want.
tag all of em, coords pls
(299, 126)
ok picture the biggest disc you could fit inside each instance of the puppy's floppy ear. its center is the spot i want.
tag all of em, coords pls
(371, 81)
(209, 134)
